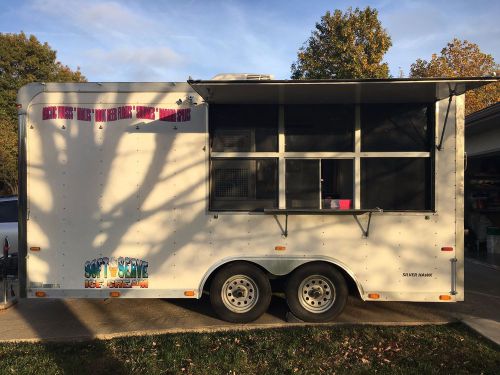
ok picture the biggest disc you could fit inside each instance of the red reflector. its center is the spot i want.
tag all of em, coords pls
(447, 248)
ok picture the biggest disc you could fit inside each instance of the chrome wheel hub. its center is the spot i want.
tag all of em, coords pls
(240, 293)
(316, 293)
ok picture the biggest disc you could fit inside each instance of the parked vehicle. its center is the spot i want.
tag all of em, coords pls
(164, 190)
(10, 263)
(8, 235)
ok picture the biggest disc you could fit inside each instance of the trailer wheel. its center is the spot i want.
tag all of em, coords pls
(316, 292)
(240, 292)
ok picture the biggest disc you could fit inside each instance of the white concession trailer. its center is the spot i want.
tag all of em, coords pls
(164, 190)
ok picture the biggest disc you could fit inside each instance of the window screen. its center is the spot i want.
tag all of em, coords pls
(396, 183)
(244, 184)
(396, 127)
(302, 184)
(244, 128)
(8, 212)
(310, 128)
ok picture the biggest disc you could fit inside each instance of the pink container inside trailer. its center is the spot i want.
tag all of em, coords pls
(344, 204)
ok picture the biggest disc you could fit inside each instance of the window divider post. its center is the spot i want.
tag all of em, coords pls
(281, 158)
(357, 159)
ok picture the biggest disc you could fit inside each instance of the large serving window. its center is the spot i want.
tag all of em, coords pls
(321, 157)
(319, 146)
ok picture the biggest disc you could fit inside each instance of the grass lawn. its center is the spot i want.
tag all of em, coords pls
(446, 349)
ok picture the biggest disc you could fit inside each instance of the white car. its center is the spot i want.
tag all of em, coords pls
(8, 223)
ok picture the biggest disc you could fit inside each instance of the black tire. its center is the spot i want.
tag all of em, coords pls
(254, 293)
(324, 291)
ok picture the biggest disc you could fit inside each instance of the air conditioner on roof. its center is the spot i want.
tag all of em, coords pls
(242, 77)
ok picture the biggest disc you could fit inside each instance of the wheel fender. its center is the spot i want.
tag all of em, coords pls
(279, 266)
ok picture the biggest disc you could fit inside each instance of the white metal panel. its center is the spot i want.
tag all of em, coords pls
(142, 193)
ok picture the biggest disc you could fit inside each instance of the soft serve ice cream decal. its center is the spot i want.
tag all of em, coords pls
(121, 272)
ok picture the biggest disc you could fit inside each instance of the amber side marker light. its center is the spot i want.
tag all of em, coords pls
(40, 294)
(114, 294)
(445, 297)
(280, 248)
(35, 248)
(373, 295)
(189, 293)
(447, 248)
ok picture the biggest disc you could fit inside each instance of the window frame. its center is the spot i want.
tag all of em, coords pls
(356, 155)
(251, 185)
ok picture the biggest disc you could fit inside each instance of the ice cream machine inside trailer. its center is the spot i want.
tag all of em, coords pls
(167, 190)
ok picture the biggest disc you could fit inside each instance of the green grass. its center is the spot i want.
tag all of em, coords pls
(446, 349)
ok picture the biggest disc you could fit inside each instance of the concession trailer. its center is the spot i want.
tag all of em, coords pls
(167, 190)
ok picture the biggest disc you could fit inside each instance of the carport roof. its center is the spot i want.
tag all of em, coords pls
(423, 90)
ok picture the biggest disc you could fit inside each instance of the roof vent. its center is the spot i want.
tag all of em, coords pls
(242, 77)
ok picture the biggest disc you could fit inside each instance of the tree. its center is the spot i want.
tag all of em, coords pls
(8, 157)
(22, 60)
(344, 45)
(462, 59)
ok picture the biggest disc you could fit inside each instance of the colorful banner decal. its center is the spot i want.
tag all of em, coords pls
(121, 272)
(114, 114)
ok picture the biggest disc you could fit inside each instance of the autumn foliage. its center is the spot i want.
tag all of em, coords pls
(344, 45)
(23, 60)
(462, 59)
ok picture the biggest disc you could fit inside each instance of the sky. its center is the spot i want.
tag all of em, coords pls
(166, 40)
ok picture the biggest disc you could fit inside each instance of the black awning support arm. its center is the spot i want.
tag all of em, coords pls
(450, 99)
(366, 231)
(284, 230)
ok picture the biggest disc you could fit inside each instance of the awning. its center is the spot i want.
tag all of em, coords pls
(335, 91)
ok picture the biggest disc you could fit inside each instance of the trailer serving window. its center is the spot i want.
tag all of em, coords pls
(327, 150)
(319, 183)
